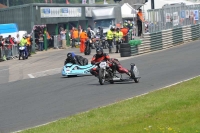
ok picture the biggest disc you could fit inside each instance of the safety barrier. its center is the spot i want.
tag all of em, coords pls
(166, 39)
(172, 16)
(8, 52)
(57, 42)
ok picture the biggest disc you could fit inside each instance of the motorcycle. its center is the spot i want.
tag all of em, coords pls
(22, 53)
(104, 42)
(108, 74)
(88, 47)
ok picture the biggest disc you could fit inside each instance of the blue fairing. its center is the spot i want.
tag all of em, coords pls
(70, 69)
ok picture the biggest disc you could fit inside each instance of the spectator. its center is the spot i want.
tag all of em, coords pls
(41, 42)
(48, 39)
(140, 19)
(75, 37)
(29, 45)
(63, 37)
(10, 43)
(83, 37)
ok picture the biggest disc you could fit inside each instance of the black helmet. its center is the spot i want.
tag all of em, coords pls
(112, 28)
(99, 51)
(69, 55)
(117, 29)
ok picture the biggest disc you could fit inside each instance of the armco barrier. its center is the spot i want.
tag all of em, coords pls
(166, 39)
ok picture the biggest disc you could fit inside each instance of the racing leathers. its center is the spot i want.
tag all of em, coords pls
(105, 57)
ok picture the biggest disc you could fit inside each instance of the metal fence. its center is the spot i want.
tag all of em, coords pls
(8, 52)
(172, 17)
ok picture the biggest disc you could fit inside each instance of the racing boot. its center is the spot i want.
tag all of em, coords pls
(129, 73)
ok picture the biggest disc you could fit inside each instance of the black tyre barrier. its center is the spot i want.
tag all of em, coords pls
(125, 50)
(125, 45)
(125, 54)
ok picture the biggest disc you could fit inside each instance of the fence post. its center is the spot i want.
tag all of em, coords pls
(45, 38)
(56, 29)
(67, 35)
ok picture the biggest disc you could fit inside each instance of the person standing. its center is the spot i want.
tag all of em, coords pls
(83, 37)
(74, 37)
(125, 30)
(63, 37)
(110, 36)
(140, 20)
(119, 36)
(29, 44)
(41, 42)
(130, 25)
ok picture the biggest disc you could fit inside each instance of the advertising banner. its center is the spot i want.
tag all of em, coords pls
(182, 14)
(51, 12)
(187, 14)
(196, 14)
(167, 17)
(175, 19)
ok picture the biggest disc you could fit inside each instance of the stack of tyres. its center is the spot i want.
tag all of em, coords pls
(125, 50)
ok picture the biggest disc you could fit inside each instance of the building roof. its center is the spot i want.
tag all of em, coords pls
(2, 6)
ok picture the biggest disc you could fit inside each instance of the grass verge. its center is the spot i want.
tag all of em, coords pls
(174, 109)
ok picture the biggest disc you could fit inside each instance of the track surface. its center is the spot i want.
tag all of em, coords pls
(32, 102)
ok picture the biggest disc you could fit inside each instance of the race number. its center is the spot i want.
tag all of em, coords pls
(68, 70)
(102, 64)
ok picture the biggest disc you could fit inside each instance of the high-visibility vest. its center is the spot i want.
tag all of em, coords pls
(119, 35)
(23, 42)
(109, 35)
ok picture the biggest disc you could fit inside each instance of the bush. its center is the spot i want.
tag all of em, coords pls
(135, 42)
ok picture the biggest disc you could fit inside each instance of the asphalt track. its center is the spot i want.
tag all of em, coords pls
(32, 102)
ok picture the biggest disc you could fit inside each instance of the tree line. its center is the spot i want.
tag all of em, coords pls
(21, 2)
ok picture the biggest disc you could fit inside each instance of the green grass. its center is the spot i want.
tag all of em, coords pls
(171, 110)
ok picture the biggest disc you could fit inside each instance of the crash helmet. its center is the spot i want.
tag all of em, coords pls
(70, 55)
(117, 29)
(99, 51)
(112, 28)
(24, 36)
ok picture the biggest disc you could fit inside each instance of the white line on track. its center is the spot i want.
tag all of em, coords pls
(31, 76)
(117, 102)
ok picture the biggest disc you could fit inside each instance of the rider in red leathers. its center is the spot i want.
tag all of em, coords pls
(101, 56)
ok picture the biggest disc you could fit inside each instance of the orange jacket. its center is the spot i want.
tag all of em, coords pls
(124, 31)
(48, 36)
(75, 34)
(83, 35)
(28, 41)
(140, 16)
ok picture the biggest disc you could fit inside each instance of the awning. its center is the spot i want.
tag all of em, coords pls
(127, 11)
(103, 13)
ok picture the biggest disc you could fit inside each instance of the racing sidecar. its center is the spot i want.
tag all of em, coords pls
(76, 70)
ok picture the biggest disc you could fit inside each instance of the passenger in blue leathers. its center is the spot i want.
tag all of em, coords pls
(76, 59)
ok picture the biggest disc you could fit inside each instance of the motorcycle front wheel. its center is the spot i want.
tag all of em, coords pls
(101, 76)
